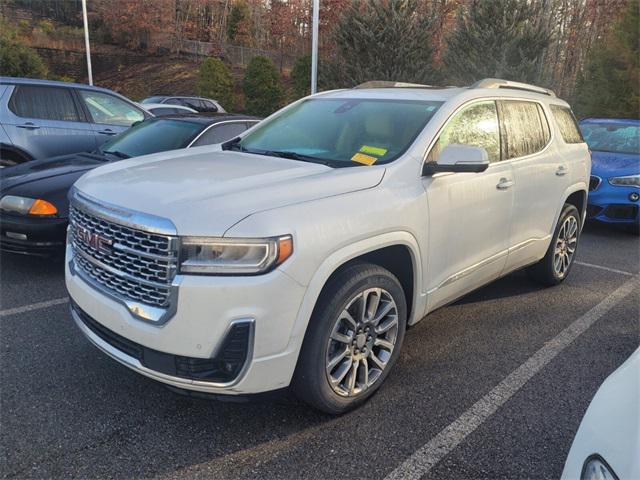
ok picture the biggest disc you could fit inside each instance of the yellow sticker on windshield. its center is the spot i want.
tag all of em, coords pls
(377, 151)
(365, 159)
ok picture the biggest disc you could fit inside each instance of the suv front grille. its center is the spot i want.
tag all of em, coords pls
(137, 265)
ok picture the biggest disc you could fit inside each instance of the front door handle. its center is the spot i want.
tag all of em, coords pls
(561, 171)
(107, 131)
(504, 183)
(29, 126)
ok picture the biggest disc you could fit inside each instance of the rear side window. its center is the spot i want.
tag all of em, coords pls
(221, 133)
(47, 103)
(109, 110)
(475, 125)
(524, 126)
(567, 124)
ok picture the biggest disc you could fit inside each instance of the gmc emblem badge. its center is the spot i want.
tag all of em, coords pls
(93, 240)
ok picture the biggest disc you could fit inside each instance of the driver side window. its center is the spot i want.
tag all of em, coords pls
(475, 125)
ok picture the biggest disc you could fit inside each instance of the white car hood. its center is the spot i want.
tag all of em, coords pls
(206, 193)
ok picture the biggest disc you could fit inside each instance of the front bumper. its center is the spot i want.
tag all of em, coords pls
(32, 235)
(206, 310)
(611, 204)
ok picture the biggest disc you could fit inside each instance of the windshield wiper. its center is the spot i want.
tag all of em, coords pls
(299, 156)
(116, 153)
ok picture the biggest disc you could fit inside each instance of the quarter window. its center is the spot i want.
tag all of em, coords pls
(567, 124)
(48, 103)
(525, 129)
(109, 110)
(475, 125)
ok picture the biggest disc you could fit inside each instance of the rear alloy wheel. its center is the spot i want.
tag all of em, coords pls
(353, 338)
(557, 262)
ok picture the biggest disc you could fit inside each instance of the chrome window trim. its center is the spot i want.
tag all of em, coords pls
(198, 385)
(215, 125)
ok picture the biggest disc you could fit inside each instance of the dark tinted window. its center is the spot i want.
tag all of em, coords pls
(567, 124)
(151, 136)
(160, 111)
(525, 130)
(175, 101)
(210, 106)
(220, 133)
(475, 125)
(49, 103)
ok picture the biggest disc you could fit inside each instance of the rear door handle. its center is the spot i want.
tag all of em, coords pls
(29, 126)
(107, 131)
(504, 183)
(561, 171)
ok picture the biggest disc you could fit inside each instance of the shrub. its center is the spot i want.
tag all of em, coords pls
(215, 81)
(262, 87)
(20, 61)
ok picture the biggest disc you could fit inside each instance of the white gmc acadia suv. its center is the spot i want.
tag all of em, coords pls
(298, 253)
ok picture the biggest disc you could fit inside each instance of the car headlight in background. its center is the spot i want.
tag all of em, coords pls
(27, 206)
(595, 468)
(233, 256)
(627, 181)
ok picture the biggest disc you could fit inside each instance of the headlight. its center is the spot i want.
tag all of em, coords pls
(27, 206)
(628, 181)
(595, 468)
(233, 256)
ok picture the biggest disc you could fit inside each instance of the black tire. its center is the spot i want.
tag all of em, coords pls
(544, 271)
(310, 382)
(9, 158)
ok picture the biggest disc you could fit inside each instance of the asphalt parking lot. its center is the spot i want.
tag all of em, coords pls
(493, 386)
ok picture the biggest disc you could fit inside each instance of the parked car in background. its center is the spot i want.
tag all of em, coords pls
(298, 254)
(607, 444)
(43, 118)
(33, 196)
(162, 110)
(614, 189)
(200, 104)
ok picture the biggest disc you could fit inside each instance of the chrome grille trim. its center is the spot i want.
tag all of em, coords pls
(134, 266)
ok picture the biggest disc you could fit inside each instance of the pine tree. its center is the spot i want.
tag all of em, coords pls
(262, 87)
(382, 40)
(496, 38)
(610, 85)
(215, 81)
(301, 77)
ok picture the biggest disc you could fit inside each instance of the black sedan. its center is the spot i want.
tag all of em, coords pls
(33, 195)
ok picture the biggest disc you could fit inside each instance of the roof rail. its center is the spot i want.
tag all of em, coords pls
(390, 84)
(499, 83)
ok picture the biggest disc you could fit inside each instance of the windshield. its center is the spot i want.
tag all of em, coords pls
(606, 137)
(153, 100)
(342, 132)
(151, 136)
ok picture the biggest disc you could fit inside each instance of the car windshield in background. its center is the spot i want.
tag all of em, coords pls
(606, 137)
(152, 136)
(342, 132)
(153, 100)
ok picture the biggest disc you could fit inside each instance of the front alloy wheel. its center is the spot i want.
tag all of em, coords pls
(362, 341)
(353, 338)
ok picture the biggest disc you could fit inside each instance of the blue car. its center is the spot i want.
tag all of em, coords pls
(614, 189)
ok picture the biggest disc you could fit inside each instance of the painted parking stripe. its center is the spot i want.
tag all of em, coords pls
(427, 456)
(33, 306)
(601, 267)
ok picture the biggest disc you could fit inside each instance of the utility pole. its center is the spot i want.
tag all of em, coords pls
(314, 46)
(86, 40)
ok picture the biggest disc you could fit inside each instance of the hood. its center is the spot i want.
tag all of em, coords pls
(206, 193)
(610, 164)
(49, 179)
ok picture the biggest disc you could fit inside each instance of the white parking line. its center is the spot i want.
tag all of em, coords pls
(33, 306)
(427, 456)
(613, 270)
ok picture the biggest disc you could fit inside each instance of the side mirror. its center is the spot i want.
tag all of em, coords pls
(458, 159)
